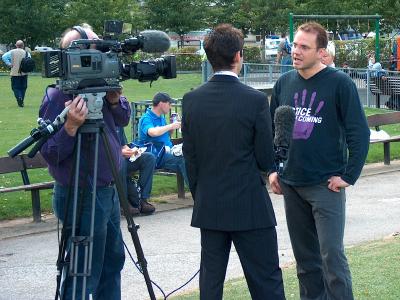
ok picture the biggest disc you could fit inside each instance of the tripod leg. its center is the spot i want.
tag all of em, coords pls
(131, 224)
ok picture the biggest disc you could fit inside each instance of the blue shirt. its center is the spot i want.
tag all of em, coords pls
(151, 120)
(6, 57)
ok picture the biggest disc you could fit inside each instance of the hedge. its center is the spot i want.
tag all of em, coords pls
(355, 52)
(252, 54)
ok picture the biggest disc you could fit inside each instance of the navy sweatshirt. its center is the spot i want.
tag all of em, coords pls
(330, 135)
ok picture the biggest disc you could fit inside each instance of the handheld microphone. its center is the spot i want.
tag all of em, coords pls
(284, 121)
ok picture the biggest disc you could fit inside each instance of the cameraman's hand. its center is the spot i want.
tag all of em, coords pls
(112, 97)
(76, 115)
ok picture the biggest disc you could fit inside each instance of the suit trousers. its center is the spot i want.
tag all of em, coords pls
(316, 217)
(258, 254)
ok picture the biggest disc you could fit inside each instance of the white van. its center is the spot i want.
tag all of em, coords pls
(271, 47)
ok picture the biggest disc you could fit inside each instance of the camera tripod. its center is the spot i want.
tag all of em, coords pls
(69, 237)
(82, 269)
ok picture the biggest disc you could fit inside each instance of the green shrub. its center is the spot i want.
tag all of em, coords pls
(252, 54)
(187, 59)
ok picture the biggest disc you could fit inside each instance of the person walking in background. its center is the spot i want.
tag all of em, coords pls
(227, 143)
(284, 57)
(329, 146)
(19, 80)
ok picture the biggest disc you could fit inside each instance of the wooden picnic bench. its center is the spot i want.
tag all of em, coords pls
(22, 163)
(138, 109)
(377, 120)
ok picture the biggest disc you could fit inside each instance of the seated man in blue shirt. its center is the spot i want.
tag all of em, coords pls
(154, 128)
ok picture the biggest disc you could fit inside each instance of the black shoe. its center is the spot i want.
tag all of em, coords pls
(20, 103)
(146, 208)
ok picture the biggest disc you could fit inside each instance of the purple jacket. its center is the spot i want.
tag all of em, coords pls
(59, 149)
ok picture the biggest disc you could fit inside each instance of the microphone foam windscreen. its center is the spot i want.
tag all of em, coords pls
(155, 41)
(284, 121)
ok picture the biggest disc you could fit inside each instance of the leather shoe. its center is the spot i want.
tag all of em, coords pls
(146, 208)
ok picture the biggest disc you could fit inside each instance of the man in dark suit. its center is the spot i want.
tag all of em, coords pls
(227, 142)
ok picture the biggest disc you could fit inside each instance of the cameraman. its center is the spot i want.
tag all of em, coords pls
(108, 252)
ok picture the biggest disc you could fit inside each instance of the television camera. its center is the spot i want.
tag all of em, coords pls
(91, 66)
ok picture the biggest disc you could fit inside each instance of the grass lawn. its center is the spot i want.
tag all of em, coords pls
(375, 268)
(16, 123)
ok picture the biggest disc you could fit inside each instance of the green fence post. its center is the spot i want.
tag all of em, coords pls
(377, 50)
(291, 36)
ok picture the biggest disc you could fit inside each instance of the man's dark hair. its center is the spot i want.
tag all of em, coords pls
(316, 28)
(221, 45)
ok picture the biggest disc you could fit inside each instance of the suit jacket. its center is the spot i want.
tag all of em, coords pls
(227, 142)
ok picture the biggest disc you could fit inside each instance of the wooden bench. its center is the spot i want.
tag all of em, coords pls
(22, 163)
(386, 85)
(138, 109)
(384, 119)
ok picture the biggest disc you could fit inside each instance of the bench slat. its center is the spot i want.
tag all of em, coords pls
(29, 187)
(391, 139)
(10, 165)
(35, 162)
(383, 119)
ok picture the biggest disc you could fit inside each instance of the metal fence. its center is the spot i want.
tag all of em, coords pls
(376, 88)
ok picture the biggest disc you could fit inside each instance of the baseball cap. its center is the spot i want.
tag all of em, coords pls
(162, 97)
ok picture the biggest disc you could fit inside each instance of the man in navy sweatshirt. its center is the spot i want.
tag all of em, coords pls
(328, 149)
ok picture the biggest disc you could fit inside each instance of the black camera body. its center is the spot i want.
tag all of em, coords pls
(91, 66)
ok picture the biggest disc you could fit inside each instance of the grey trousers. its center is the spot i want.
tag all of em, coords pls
(316, 218)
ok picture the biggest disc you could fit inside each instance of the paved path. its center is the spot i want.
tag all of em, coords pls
(28, 251)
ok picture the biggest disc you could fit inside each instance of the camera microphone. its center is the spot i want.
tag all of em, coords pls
(151, 41)
(284, 119)
(155, 41)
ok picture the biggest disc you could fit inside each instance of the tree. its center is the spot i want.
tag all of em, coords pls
(257, 16)
(95, 12)
(180, 16)
(388, 9)
(34, 21)
(239, 13)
